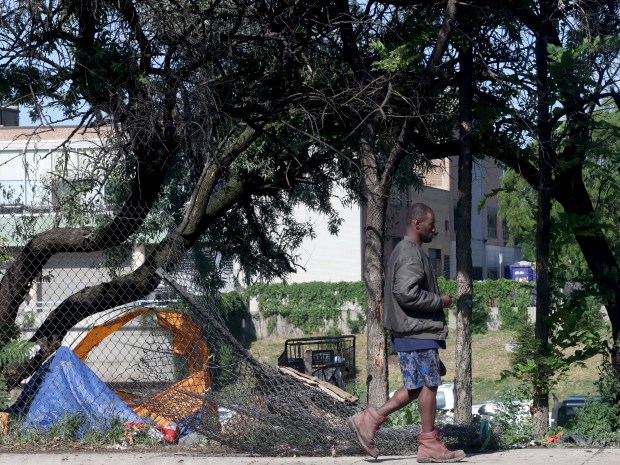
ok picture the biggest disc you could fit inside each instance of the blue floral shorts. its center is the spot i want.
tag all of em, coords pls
(420, 368)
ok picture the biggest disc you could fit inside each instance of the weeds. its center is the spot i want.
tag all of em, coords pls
(74, 430)
(511, 417)
(408, 415)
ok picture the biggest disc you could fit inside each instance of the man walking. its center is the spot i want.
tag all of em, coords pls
(413, 313)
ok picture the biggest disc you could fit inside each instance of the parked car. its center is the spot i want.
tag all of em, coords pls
(445, 397)
(445, 402)
(445, 405)
(563, 412)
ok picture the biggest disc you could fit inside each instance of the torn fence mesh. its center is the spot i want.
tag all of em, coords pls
(169, 358)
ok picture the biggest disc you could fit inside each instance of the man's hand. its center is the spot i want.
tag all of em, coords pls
(446, 300)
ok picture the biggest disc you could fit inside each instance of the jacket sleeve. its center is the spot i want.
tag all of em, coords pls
(408, 287)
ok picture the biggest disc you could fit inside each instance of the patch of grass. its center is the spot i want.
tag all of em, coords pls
(268, 350)
(489, 389)
(489, 359)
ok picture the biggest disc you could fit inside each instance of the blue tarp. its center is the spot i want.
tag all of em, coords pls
(64, 387)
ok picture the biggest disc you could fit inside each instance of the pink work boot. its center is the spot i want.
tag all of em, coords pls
(365, 425)
(431, 449)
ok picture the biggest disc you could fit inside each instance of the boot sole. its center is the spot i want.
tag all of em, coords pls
(373, 454)
(431, 460)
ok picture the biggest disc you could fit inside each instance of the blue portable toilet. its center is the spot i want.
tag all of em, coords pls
(521, 271)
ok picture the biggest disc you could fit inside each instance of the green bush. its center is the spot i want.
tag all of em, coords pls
(513, 320)
(357, 326)
(479, 318)
(526, 346)
(607, 384)
(358, 389)
(11, 351)
(408, 415)
(598, 422)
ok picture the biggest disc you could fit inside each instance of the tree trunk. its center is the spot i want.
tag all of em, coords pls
(464, 286)
(543, 297)
(376, 352)
(375, 192)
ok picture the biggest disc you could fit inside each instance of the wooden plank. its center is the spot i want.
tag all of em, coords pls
(330, 389)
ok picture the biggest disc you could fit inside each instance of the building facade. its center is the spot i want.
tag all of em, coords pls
(489, 235)
(340, 258)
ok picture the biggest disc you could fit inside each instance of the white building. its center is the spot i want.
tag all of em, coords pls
(38, 168)
(327, 257)
(339, 258)
(36, 172)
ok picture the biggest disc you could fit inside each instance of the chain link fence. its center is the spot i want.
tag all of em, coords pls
(123, 330)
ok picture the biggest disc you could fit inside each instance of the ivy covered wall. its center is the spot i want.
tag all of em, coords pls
(338, 308)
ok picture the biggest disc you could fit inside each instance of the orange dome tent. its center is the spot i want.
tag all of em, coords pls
(186, 396)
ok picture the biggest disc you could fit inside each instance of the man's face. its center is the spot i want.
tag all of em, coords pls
(427, 229)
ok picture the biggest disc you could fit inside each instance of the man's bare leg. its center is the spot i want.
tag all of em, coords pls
(401, 398)
(427, 405)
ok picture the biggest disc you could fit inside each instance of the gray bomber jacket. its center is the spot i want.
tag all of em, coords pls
(412, 305)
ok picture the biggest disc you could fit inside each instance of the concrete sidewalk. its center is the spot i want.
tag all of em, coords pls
(532, 456)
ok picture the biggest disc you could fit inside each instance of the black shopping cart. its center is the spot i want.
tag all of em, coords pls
(329, 358)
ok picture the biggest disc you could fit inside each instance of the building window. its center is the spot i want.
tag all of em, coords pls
(505, 230)
(492, 223)
(64, 190)
(12, 195)
(435, 257)
(39, 286)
